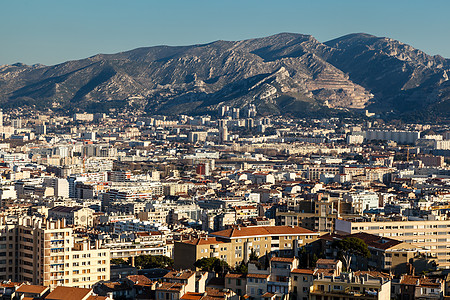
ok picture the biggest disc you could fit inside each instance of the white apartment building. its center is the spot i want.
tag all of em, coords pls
(433, 235)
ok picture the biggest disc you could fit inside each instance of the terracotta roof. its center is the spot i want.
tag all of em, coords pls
(97, 298)
(303, 271)
(234, 276)
(374, 241)
(264, 276)
(10, 284)
(283, 259)
(262, 231)
(212, 293)
(192, 296)
(68, 293)
(245, 207)
(169, 286)
(268, 295)
(374, 274)
(115, 286)
(324, 261)
(325, 271)
(139, 279)
(423, 281)
(32, 289)
(179, 275)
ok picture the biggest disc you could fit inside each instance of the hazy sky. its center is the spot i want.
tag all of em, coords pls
(51, 32)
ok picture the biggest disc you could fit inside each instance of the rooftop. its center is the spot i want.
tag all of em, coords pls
(69, 293)
(262, 231)
(32, 289)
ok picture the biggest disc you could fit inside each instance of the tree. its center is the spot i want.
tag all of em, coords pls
(350, 246)
(118, 261)
(241, 268)
(212, 264)
(153, 261)
(253, 256)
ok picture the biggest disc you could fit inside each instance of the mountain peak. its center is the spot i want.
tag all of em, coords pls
(281, 73)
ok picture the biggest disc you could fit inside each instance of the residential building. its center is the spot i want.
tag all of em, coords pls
(235, 244)
(428, 234)
(45, 253)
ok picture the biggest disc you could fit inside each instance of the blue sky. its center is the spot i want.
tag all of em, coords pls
(51, 32)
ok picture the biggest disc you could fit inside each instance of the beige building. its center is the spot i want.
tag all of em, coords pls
(45, 253)
(301, 281)
(184, 285)
(155, 215)
(76, 215)
(235, 245)
(358, 285)
(314, 172)
(432, 235)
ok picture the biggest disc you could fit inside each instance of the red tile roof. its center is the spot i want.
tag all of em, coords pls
(264, 276)
(179, 275)
(68, 293)
(423, 281)
(168, 286)
(303, 271)
(32, 289)
(262, 231)
(192, 296)
(283, 259)
(234, 276)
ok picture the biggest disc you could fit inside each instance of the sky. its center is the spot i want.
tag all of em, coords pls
(52, 32)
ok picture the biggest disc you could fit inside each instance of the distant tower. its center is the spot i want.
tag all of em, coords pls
(251, 112)
(235, 114)
(223, 132)
(224, 110)
(17, 123)
(249, 123)
(41, 129)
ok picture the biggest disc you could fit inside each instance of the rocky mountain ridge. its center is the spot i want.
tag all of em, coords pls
(283, 73)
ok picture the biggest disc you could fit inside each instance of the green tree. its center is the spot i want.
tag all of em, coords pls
(241, 268)
(253, 256)
(212, 264)
(153, 261)
(118, 261)
(350, 246)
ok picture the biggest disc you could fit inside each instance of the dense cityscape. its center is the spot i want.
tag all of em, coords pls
(234, 205)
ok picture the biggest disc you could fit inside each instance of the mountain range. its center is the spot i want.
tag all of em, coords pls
(279, 74)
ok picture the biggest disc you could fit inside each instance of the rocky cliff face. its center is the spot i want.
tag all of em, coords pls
(282, 73)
